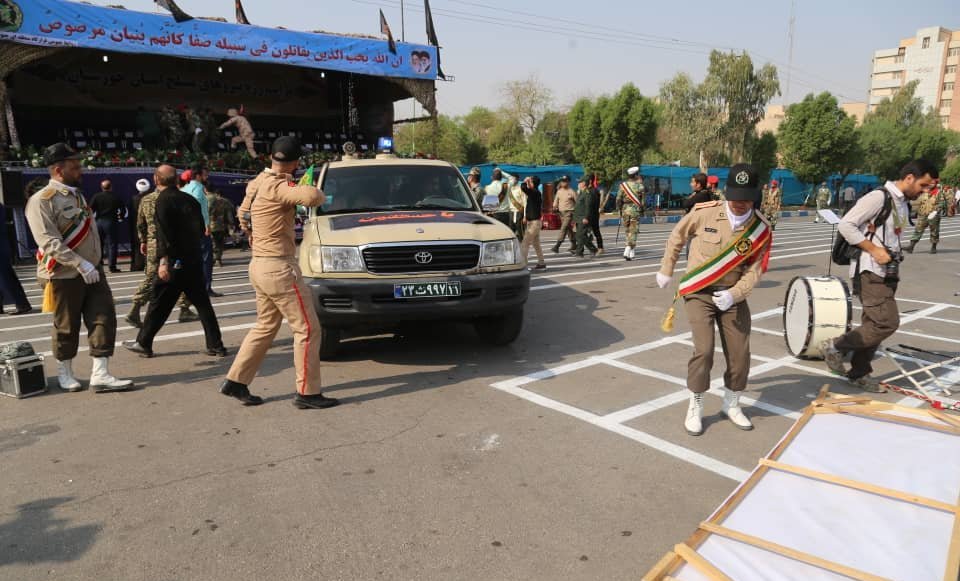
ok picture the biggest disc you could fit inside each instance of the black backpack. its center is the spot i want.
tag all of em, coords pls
(842, 253)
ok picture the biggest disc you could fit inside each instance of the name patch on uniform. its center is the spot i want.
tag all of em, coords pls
(711, 230)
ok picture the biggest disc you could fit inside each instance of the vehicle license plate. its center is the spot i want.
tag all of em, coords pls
(426, 290)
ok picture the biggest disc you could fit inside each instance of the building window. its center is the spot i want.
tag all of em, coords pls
(901, 51)
(948, 86)
(945, 119)
(926, 42)
(945, 104)
(954, 51)
(898, 60)
(950, 69)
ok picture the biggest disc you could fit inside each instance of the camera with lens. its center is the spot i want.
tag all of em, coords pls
(891, 271)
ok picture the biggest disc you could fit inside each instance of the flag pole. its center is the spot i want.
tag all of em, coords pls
(403, 26)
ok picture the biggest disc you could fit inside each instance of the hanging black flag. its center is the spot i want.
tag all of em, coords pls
(241, 15)
(432, 36)
(385, 29)
(171, 6)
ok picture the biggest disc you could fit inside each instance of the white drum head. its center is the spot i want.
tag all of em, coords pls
(797, 316)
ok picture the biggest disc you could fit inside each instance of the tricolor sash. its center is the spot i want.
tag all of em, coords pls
(629, 193)
(755, 239)
(73, 237)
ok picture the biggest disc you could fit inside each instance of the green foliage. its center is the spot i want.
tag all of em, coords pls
(448, 140)
(762, 153)
(951, 174)
(717, 118)
(898, 130)
(613, 133)
(817, 138)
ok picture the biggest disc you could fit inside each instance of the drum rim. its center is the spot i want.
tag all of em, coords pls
(807, 339)
(810, 313)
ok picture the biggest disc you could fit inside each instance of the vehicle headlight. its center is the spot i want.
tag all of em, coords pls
(336, 259)
(499, 253)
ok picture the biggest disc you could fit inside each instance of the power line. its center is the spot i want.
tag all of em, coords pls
(617, 36)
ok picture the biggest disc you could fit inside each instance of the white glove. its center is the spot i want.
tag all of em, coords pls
(723, 300)
(932, 214)
(89, 272)
(198, 131)
(663, 280)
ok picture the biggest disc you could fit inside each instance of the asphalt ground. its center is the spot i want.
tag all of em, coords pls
(562, 456)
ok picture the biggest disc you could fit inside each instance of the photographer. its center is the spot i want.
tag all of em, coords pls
(876, 273)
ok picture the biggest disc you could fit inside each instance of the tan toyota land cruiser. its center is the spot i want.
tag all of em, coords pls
(400, 241)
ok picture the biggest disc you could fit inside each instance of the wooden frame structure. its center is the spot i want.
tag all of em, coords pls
(686, 562)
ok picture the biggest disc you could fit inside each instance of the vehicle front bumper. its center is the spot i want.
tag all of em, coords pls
(356, 302)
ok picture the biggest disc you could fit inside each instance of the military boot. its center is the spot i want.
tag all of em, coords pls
(694, 420)
(909, 247)
(933, 248)
(133, 317)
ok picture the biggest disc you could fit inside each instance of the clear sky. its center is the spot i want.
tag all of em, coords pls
(594, 47)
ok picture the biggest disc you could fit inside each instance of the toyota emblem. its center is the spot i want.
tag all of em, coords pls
(423, 257)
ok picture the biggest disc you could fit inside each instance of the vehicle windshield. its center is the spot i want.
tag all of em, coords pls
(376, 188)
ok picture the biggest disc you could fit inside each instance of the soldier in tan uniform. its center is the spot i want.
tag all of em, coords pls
(266, 214)
(728, 241)
(243, 127)
(68, 253)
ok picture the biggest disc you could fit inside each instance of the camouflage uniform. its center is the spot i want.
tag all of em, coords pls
(630, 214)
(823, 200)
(221, 218)
(772, 202)
(173, 129)
(147, 231)
(926, 204)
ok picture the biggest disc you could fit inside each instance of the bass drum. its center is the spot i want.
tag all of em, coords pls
(815, 308)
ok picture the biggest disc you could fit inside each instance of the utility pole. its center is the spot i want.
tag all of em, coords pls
(793, 22)
(403, 25)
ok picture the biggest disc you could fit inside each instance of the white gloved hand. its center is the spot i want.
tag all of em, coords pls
(723, 300)
(932, 214)
(663, 280)
(89, 272)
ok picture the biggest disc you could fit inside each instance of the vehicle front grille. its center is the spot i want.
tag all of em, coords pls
(337, 303)
(403, 259)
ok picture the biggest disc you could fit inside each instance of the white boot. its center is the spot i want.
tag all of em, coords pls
(633, 253)
(731, 409)
(626, 253)
(65, 375)
(102, 381)
(694, 421)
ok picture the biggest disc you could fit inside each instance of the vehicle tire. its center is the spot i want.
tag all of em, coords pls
(500, 329)
(329, 342)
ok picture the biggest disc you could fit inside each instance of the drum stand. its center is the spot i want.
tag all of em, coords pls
(920, 388)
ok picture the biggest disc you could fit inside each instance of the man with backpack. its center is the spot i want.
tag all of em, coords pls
(874, 226)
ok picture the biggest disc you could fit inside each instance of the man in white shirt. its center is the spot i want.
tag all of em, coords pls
(876, 273)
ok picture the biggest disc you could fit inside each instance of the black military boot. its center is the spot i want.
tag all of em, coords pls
(909, 247)
(239, 391)
(933, 249)
(317, 402)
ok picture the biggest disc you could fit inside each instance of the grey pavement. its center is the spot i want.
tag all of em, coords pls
(562, 456)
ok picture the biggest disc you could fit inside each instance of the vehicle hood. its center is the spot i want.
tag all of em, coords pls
(430, 225)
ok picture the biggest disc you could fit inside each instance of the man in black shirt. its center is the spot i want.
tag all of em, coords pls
(698, 183)
(109, 212)
(180, 232)
(532, 220)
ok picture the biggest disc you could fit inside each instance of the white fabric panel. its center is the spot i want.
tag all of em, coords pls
(904, 458)
(889, 538)
(743, 562)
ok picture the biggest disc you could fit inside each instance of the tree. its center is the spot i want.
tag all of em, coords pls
(450, 140)
(527, 101)
(741, 94)
(762, 153)
(691, 118)
(717, 118)
(817, 138)
(951, 174)
(613, 133)
(898, 130)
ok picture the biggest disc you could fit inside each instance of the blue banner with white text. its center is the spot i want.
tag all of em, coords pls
(72, 24)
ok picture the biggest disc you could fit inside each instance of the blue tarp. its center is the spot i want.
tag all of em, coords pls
(678, 178)
(61, 23)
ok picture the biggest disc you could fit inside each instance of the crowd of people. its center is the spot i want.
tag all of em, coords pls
(181, 226)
